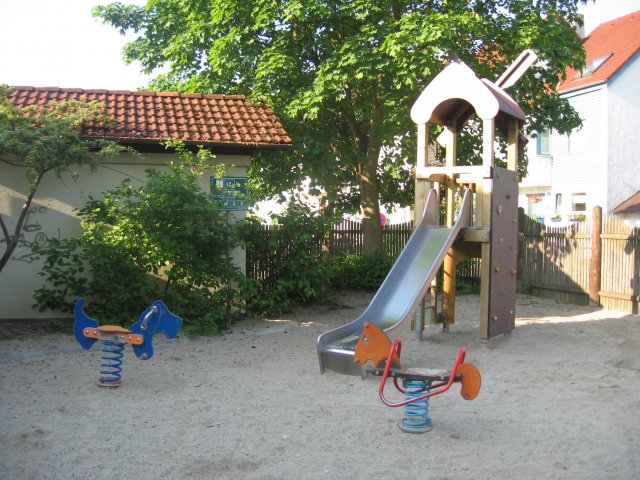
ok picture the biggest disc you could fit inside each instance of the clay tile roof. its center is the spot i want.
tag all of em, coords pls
(150, 117)
(630, 205)
(617, 39)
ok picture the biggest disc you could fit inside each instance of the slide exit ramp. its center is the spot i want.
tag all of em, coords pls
(402, 290)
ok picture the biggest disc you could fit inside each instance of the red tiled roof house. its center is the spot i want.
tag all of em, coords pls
(600, 163)
(230, 126)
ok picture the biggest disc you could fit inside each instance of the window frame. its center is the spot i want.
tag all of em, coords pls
(540, 136)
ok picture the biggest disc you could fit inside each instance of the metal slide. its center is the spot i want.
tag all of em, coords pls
(399, 295)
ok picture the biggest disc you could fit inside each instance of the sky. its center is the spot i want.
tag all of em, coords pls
(47, 43)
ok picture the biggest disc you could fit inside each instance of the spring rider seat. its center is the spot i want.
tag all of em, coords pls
(156, 318)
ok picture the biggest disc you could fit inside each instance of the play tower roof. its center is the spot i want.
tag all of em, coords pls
(456, 93)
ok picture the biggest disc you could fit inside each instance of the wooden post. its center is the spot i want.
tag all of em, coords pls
(449, 291)
(451, 155)
(423, 143)
(449, 265)
(484, 212)
(512, 144)
(421, 186)
(595, 263)
(485, 270)
(488, 132)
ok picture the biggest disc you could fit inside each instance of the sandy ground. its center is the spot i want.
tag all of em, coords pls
(560, 399)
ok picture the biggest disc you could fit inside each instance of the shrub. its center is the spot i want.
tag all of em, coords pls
(366, 271)
(165, 239)
(466, 279)
(301, 272)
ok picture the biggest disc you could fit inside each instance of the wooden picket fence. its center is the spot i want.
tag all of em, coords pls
(344, 238)
(594, 262)
(347, 238)
(620, 266)
(554, 261)
(260, 259)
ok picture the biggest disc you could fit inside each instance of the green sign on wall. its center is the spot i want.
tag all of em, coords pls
(230, 192)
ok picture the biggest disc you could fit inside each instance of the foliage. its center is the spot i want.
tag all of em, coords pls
(44, 138)
(343, 75)
(465, 281)
(464, 287)
(301, 274)
(78, 267)
(366, 271)
(165, 239)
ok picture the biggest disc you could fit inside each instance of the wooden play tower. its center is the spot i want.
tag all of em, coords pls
(450, 100)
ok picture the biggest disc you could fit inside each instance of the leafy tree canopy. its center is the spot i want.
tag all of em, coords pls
(342, 75)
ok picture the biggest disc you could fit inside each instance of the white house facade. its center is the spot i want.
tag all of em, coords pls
(598, 164)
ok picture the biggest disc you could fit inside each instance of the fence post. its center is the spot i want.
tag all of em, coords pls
(595, 264)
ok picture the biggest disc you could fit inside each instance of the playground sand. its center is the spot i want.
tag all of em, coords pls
(560, 399)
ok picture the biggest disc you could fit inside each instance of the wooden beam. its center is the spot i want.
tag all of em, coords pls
(520, 65)
(471, 234)
(477, 171)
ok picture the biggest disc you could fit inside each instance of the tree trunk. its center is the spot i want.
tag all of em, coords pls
(12, 242)
(369, 203)
(368, 173)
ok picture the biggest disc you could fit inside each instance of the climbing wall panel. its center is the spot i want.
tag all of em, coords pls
(504, 252)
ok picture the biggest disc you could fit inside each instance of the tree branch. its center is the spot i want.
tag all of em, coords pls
(9, 162)
(12, 241)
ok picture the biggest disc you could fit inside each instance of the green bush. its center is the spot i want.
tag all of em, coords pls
(165, 239)
(366, 271)
(301, 272)
(77, 268)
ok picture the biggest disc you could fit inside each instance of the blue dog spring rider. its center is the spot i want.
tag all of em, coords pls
(155, 319)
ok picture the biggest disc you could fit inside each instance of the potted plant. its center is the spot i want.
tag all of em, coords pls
(577, 217)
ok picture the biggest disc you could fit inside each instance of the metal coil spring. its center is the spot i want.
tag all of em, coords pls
(416, 414)
(112, 364)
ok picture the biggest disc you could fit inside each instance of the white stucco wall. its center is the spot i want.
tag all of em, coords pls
(582, 171)
(52, 215)
(623, 178)
(537, 183)
(538, 168)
